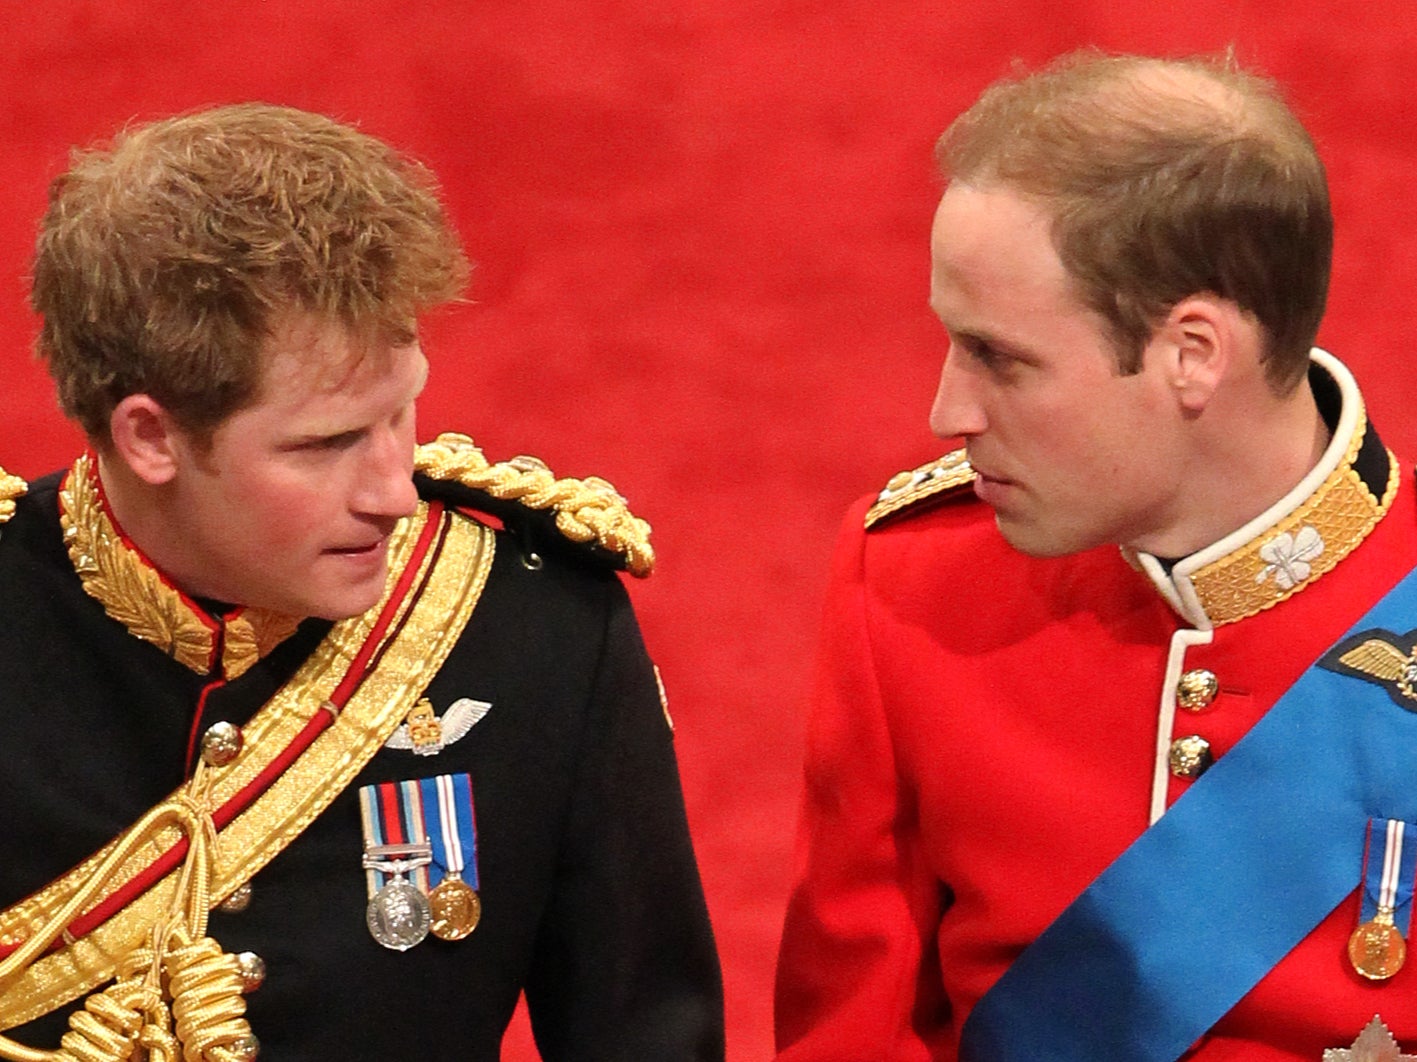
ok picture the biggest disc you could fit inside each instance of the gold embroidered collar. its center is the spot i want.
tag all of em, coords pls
(1301, 537)
(132, 590)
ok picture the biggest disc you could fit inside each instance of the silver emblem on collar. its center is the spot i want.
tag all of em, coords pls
(424, 733)
(1374, 1044)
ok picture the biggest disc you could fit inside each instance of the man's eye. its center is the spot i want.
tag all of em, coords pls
(983, 353)
(342, 441)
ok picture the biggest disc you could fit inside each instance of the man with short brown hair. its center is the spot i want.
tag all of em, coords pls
(1067, 801)
(314, 735)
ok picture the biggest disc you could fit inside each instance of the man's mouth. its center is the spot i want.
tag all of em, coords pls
(359, 550)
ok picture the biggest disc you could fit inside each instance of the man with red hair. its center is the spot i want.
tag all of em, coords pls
(312, 734)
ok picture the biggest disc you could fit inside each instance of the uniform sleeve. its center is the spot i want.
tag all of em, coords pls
(625, 964)
(857, 976)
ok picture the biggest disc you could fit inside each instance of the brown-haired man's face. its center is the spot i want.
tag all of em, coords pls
(290, 505)
(1070, 454)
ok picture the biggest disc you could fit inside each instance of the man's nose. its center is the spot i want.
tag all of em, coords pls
(956, 412)
(386, 485)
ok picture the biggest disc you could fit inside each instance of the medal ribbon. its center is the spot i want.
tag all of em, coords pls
(436, 811)
(392, 813)
(451, 827)
(1388, 872)
(1135, 968)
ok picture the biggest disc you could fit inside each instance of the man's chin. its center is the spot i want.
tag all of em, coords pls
(344, 604)
(344, 610)
(1034, 539)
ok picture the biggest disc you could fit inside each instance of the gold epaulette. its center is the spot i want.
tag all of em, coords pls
(587, 510)
(905, 489)
(11, 487)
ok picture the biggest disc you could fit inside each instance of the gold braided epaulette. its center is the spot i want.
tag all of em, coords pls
(587, 510)
(905, 489)
(11, 487)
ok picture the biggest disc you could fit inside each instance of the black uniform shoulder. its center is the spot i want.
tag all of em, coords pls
(585, 519)
(921, 488)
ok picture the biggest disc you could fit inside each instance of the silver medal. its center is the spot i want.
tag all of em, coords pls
(398, 915)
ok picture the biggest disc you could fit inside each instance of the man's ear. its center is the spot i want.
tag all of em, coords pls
(1197, 340)
(146, 438)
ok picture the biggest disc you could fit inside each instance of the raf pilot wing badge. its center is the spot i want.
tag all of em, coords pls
(1381, 657)
(425, 733)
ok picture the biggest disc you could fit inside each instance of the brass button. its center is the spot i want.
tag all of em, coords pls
(221, 744)
(252, 969)
(1190, 756)
(1196, 689)
(238, 901)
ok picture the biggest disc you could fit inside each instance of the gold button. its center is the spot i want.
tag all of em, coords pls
(1190, 756)
(1196, 689)
(221, 744)
(252, 969)
(238, 901)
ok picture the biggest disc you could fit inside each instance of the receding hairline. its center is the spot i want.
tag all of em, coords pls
(1206, 96)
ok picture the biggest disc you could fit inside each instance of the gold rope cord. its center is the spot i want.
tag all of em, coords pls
(588, 510)
(11, 487)
(147, 945)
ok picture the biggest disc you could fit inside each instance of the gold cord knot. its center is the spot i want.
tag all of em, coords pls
(176, 998)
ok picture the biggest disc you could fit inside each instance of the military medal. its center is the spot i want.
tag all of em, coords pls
(424, 829)
(396, 859)
(398, 915)
(456, 909)
(447, 803)
(1378, 948)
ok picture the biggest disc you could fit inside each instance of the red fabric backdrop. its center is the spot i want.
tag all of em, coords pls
(700, 231)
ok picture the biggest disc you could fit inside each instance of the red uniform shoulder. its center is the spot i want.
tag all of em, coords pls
(945, 477)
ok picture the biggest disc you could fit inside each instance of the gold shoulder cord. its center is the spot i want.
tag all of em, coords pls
(176, 995)
(11, 488)
(588, 510)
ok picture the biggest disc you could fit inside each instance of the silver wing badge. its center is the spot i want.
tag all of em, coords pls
(424, 733)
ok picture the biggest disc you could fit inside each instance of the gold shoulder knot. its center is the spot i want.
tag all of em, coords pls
(939, 477)
(587, 510)
(11, 487)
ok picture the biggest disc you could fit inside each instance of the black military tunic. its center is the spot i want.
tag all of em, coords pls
(590, 896)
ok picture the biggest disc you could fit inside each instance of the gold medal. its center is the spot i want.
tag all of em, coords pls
(455, 908)
(1376, 948)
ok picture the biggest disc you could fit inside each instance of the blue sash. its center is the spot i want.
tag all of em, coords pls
(1209, 899)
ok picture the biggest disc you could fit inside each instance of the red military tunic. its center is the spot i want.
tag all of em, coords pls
(989, 731)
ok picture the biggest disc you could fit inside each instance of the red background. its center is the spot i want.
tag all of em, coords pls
(700, 231)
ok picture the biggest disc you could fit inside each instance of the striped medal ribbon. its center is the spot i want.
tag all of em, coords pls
(1378, 948)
